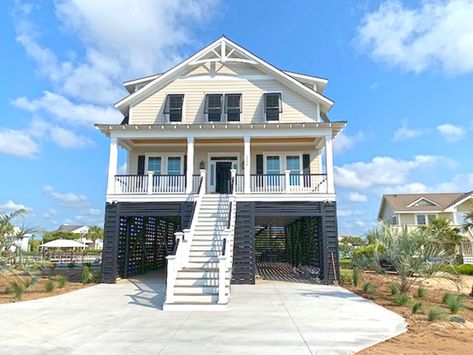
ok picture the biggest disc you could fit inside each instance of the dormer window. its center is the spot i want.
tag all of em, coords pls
(173, 107)
(213, 107)
(272, 106)
(233, 107)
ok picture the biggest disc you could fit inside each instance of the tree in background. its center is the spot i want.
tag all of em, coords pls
(442, 230)
(95, 232)
(468, 226)
(9, 234)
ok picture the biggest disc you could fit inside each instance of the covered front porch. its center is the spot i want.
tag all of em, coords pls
(178, 168)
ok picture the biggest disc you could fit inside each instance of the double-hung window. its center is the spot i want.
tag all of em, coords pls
(173, 107)
(213, 107)
(233, 107)
(423, 219)
(272, 106)
(293, 164)
(273, 170)
(174, 165)
(154, 165)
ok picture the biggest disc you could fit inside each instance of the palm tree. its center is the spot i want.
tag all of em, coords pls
(468, 226)
(95, 232)
(409, 253)
(445, 233)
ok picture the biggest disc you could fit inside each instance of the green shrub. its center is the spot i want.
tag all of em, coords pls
(466, 269)
(421, 292)
(455, 303)
(368, 287)
(418, 308)
(446, 297)
(356, 277)
(365, 251)
(61, 281)
(394, 289)
(402, 299)
(16, 289)
(97, 275)
(86, 275)
(346, 264)
(435, 314)
(346, 277)
(49, 286)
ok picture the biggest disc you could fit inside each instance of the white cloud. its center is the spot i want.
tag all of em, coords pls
(147, 40)
(437, 33)
(404, 132)
(67, 199)
(68, 139)
(345, 142)
(459, 183)
(409, 188)
(451, 132)
(50, 213)
(357, 197)
(17, 143)
(10, 206)
(381, 171)
(65, 111)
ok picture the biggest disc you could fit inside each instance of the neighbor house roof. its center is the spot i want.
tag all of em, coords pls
(70, 227)
(63, 243)
(407, 203)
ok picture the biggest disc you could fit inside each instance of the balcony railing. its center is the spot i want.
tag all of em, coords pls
(285, 183)
(259, 183)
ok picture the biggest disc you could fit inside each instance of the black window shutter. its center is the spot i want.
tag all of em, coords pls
(185, 165)
(306, 169)
(259, 164)
(141, 164)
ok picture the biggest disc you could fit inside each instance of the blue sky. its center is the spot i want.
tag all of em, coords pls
(401, 74)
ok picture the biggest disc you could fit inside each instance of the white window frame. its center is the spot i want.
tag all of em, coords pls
(211, 187)
(281, 117)
(166, 116)
(164, 161)
(426, 215)
(282, 160)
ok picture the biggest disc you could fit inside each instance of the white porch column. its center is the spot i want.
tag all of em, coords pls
(247, 159)
(329, 164)
(190, 164)
(112, 165)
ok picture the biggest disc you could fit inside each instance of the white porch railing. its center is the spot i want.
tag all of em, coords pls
(131, 184)
(285, 183)
(169, 184)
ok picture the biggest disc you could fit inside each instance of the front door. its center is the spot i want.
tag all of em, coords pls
(223, 177)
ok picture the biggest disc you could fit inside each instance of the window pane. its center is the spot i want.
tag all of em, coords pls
(174, 107)
(272, 109)
(421, 219)
(154, 164)
(272, 165)
(174, 165)
(431, 217)
(294, 166)
(214, 107)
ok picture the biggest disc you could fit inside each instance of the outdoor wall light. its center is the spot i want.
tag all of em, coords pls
(202, 165)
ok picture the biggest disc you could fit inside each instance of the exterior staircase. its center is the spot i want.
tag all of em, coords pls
(205, 252)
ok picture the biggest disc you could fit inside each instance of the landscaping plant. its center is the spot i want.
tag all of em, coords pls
(435, 314)
(455, 303)
(17, 289)
(402, 299)
(421, 292)
(418, 308)
(346, 277)
(368, 287)
(356, 277)
(61, 281)
(405, 256)
(86, 275)
(49, 286)
(393, 289)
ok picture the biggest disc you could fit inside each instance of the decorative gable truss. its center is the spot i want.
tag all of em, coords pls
(423, 201)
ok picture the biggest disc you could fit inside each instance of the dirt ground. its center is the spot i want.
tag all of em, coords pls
(37, 291)
(422, 336)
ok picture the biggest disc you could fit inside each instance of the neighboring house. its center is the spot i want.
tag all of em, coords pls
(74, 228)
(413, 210)
(223, 147)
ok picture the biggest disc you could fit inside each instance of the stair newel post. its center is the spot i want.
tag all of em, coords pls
(186, 246)
(171, 278)
(203, 187)
(287, 181)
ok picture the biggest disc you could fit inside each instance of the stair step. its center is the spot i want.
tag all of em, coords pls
(204, 253)
(195, 298)
(209, 282)
(195, 290)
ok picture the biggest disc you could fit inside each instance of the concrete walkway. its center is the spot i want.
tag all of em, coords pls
(126, 318)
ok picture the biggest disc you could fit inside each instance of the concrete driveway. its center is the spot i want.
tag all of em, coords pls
(126, 318)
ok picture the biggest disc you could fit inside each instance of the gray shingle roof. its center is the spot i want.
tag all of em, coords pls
(400, 202)
(69, 227)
